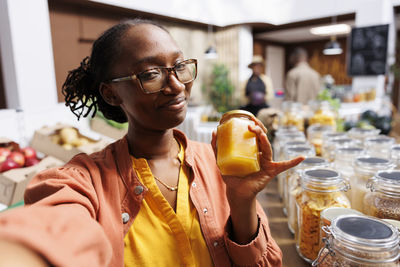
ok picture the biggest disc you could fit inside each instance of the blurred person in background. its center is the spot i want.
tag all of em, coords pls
(258, 89)
(152, 198)
(302, 82)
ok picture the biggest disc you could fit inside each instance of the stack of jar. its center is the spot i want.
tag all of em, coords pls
(292, 115)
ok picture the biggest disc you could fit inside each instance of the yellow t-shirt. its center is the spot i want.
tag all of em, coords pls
(158, 235)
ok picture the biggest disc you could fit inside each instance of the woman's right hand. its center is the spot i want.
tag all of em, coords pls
(17, 255)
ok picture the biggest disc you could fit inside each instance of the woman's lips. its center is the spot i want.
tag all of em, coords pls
(175, 104)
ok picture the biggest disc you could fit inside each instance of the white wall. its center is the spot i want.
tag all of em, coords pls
(27, 55)
(275, 65)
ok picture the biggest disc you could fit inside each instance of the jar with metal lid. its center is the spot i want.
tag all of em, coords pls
(314, 135)
(379, 146)
(365, 167)
(237, 148)
(361, 134)
(321, 189)
(292, 152)
(292, 115)
(332, 145)
(324, 114)
(358, 241)
(294, 188)
(327, 137)
(329, 214)
(395, 155)
(384, 199)
(279, 152)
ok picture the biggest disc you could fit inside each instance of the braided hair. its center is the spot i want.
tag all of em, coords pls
(81, 88)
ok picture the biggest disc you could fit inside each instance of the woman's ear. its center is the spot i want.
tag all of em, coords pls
(109, 94)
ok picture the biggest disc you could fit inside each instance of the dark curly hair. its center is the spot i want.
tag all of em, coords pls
(81, 88)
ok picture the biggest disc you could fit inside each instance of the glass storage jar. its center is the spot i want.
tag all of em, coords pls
(361, 134)
(321, 189)
(329, 214)
(237, 152)
(334, 144)
(327, 137)
(292, 115)
(314, 135)
(365, 167)
(395, 155)
(294, 188)
(384, 199)
(379, 146)
(292, 152)
(359, 241)
(324, 114)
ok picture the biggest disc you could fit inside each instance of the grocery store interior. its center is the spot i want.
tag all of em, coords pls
(330, 91)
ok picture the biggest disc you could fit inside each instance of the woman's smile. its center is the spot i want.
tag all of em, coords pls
(174, 104)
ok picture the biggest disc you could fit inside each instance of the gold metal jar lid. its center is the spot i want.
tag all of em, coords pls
(236, 113)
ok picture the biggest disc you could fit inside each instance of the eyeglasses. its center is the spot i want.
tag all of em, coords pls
(156, 79)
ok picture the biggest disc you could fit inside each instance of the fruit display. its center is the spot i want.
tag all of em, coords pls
(69, 137)
(11, 157)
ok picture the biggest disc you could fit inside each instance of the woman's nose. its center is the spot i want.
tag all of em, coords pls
(173, 84)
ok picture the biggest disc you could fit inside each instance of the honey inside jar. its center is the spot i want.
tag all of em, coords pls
(237, 149)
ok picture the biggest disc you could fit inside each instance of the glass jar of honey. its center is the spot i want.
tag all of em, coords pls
(237, 148)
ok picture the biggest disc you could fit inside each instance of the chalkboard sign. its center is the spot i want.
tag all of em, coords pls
(368, 50)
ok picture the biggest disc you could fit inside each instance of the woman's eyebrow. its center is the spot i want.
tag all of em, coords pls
(152, 59)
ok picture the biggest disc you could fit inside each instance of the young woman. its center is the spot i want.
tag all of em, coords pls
(153, 198)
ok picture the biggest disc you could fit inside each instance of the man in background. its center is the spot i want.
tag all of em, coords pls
(302, 82)
(258, 88)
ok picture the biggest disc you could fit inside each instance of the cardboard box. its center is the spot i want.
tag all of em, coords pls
(101, 126)
(14, 182)
(42, 142)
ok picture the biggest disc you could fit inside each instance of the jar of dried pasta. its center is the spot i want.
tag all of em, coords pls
(395, 155)
(379, 146)
(315, 133)
(327, 137)
(324, 114)
(365, 167)
(294, 188)
(361, 134)
(321, 189)
(292, 115)
(384, 199)
(292, 152)
(359, 241)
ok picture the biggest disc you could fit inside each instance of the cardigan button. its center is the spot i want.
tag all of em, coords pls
(194, 184)
(205, 210)
(138, 190)
(125, 217)
(215, 244)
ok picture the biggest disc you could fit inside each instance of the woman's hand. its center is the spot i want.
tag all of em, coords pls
(249, 186)
(241, 192)
(17, 255)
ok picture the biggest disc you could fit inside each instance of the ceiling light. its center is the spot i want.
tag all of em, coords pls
(333, 29)
(332, 48)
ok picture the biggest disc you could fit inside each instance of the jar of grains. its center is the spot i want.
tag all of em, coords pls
(327, 137)
(314, 135)
(384, 199)
(359, 241)
(294, 188)
(395, 156)
(361, 134)
(291, 153)
(379, 146)
(321, 189)
(365, 167)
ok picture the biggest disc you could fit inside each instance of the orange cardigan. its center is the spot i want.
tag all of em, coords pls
(78, 214)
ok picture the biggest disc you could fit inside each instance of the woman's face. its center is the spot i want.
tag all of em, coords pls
(144, 47)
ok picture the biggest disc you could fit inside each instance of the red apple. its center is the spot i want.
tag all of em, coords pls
(18, 157)
(4, 153)
(8, 164)
(31, 161)
(29, 152)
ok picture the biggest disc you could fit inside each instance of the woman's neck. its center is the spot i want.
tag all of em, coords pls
(152, 144)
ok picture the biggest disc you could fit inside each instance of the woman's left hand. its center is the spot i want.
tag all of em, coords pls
(249, 186)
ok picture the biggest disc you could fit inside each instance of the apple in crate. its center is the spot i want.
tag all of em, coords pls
(29, 152)
(8, 164)
(4, 153)
(17, 157)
